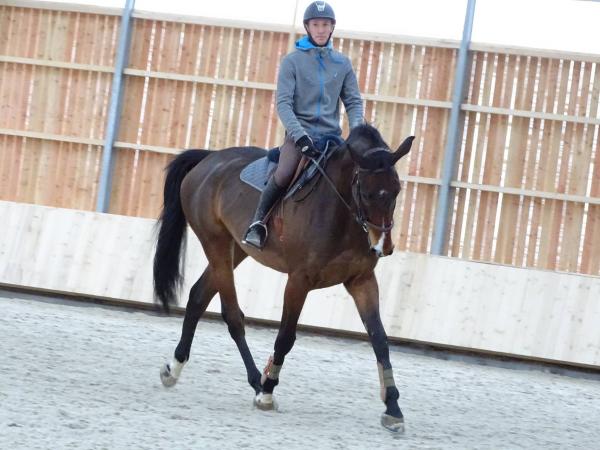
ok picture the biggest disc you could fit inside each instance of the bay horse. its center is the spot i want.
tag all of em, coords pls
(336, 235)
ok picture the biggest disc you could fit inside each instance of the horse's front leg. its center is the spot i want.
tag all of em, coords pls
(294, 297)
(365, 292)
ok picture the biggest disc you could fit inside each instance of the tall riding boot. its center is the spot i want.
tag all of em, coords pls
(256, 235)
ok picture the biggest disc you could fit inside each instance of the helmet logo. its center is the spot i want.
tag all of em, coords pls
(320, 6)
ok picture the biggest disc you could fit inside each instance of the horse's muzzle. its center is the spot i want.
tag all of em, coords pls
(383, 245)
(381, 253)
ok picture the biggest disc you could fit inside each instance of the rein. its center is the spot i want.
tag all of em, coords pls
(358, 216)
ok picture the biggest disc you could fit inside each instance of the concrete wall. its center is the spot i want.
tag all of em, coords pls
(530, 313)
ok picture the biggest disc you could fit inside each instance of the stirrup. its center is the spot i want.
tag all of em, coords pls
(256, 235)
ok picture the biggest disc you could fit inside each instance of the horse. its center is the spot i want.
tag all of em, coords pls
(334, 236)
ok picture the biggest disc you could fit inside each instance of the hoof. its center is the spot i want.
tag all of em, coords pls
(265, 402)
(392, 424)
(168, 380)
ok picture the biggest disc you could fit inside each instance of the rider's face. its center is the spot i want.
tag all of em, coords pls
(320, 29)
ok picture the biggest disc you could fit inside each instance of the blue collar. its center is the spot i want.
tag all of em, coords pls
(304, 44)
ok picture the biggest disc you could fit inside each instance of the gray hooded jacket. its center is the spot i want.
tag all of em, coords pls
(311, 82)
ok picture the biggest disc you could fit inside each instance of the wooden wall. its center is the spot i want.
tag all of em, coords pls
(527, 191)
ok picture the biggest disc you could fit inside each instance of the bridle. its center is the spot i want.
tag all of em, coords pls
(357, 212)
(360, 216)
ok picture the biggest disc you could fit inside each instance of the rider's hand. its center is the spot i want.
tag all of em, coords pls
(306, 146)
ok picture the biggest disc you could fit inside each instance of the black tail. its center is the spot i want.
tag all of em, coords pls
(170, 246)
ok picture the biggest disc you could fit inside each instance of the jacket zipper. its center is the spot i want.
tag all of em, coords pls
(321, 84)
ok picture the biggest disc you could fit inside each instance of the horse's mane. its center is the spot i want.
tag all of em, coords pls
(368, 133)
(367, 141)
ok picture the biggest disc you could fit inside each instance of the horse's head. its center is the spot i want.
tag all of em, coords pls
(375, 184)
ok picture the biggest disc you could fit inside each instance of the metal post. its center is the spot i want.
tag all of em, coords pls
(451, 152)
(114, 111)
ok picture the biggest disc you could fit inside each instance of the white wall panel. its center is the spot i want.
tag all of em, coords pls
(532, 313)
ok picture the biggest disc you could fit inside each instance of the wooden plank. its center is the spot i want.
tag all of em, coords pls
(471, 248)
(5, 24)
(245, 117)
(172, 47)
(542, 176)
(573, 85)
(140, 42)
(69, 194)
(90, 26)
(482, 164)
(435, 137)
(505, 244)
(554, 218)
(581, 141)
(151, 202)
(473, 97)
(590, 258)
(141, 183)
(261, 108)
(12, 97)
(420, 213)
(456, 241)
(409, 224)
(122, 182)
(181, 113)
(230, 63)
(387, 61)
(253, 71)
(265, 57)
(404, 202)
(200, 115)
(190, 49)
(548, 232)
(590, 261)
(591, 250)
(529, 216)
(579, 146)
(207, 57)
(10, 170)
(510, 227)
(13, 33)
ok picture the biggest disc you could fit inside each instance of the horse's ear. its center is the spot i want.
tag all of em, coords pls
(358, 159)
(403, 149)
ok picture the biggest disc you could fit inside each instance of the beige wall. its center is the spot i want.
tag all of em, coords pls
(525, 312)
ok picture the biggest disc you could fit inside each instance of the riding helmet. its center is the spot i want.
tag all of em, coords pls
(319, 10)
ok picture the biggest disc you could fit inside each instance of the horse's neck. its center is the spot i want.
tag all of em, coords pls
(341, 175)
(340, 171)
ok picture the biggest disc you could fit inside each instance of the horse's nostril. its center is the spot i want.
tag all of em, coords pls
(377, 252)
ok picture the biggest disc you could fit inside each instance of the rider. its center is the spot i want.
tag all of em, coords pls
(312, 79)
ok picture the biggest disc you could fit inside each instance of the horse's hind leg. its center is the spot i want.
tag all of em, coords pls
(200, 296)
